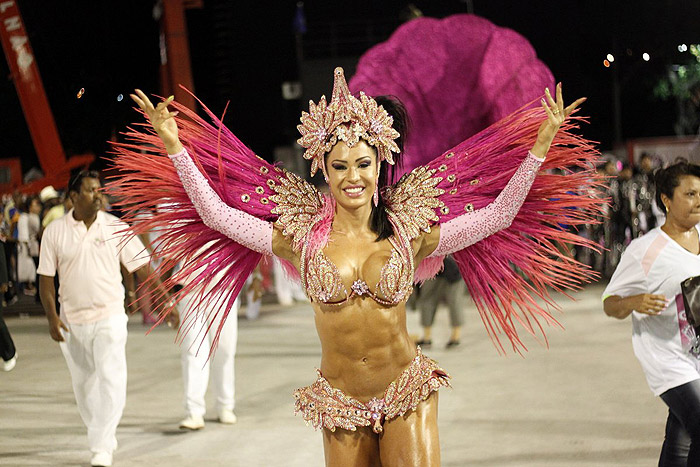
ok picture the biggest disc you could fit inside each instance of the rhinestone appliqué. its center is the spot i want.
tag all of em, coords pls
(360, 287)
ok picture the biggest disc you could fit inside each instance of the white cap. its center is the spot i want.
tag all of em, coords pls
(48, 193)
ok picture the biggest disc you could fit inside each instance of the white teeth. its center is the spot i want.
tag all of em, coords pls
(354, 190)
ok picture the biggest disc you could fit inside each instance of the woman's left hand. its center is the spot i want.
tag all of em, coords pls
(556, 114)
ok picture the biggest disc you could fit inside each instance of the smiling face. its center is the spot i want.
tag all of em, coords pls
(352, 173)
(684, 208)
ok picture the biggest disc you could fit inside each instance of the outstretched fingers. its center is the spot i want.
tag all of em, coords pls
(574, 105)
(550, 100)
(550, 114)
(164, 104)
(554, 108)
(560, 99)
(158, 114)
(143, 101)
(138, 101)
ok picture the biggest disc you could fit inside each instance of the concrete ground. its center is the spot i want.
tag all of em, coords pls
(582, 402)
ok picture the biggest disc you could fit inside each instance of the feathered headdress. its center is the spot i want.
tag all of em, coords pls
(346, 118)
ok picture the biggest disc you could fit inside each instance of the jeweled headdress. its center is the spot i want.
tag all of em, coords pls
(346, 118)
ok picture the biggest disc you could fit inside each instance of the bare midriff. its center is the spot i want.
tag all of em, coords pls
(364, 346)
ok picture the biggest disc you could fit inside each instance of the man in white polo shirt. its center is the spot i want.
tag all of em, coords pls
(85, 247)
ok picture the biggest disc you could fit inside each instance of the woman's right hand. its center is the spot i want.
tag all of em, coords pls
(161, 119)
(647, 304)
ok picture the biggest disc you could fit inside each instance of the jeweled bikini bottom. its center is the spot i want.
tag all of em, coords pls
(324, 406)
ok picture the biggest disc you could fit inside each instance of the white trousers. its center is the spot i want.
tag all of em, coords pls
(287, 290)
(252, 307)
(197, 367)
(96, 358)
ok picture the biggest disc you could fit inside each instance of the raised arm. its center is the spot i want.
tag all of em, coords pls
(238, 225)
(471, 227)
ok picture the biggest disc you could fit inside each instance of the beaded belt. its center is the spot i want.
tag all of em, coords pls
(324, 406)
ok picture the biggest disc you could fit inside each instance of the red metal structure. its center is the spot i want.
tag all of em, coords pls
(175, 58)
(35, 105)
(175, 69)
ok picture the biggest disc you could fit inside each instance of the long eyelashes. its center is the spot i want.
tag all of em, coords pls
(342, 167)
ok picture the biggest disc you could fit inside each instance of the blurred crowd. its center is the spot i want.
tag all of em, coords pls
(632, 211)
(26, 216)
(24, 219)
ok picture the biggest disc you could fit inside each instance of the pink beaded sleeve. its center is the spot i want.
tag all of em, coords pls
(471, 227)
(238, 225)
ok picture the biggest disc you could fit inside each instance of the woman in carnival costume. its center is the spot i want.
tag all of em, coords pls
(359, 249)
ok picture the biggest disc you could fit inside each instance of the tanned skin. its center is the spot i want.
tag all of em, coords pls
(365, 345)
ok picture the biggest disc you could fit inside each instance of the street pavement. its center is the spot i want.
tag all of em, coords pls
(581, 402)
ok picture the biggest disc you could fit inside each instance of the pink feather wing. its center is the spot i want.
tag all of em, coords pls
(455, 75)
(508, 271)
(149, 192)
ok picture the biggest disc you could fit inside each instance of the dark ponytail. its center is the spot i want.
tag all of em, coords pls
(379, 221)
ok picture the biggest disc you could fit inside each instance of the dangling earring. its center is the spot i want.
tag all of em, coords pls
(375, 197)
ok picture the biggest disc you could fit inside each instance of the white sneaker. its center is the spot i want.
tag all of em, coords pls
(226, 416)
(101, 459)
(192, 422)
(10, 364)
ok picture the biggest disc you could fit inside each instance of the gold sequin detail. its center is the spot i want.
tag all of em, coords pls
(450, 155)
(469, 207)
(445, 210)
(324, 406)
(264, 170)
(451, 178)
(245, 198)
(453, 191)
(413, 201)
(474, 182)
(264, 200)
(323, 282)
(259, 190)
(395, 281)
(349, 119)
(298, 206)
(442, 168)
(271, 183)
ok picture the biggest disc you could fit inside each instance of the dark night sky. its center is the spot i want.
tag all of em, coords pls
(242, 51)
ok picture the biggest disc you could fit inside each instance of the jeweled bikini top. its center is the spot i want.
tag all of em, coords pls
(323, 283)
